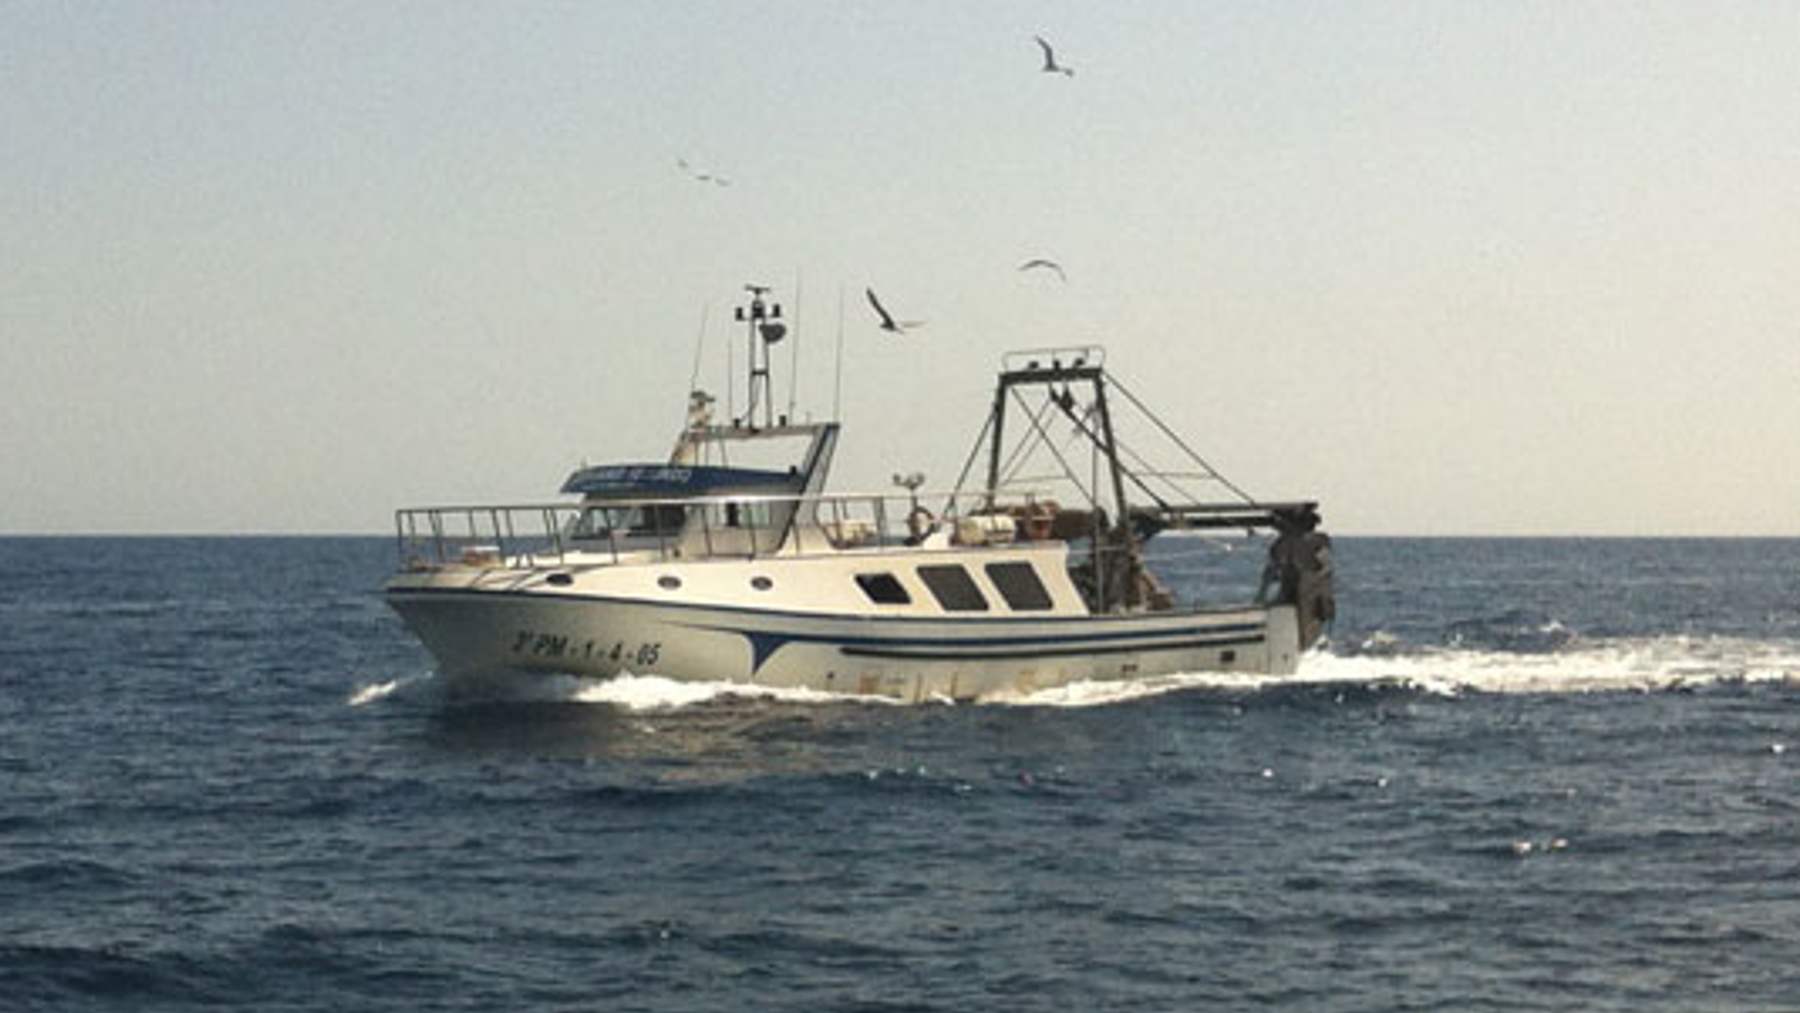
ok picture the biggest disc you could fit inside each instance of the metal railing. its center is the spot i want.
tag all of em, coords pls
(688, 528)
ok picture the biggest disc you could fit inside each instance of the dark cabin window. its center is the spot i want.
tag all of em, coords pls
(954, 589)
(883, 589)
(1018, 583)
(659, 519)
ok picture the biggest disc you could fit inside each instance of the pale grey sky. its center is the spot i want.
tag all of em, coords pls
(1449, 267)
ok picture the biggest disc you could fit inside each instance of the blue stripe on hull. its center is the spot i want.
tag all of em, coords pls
(1129, 639)
(929, 654)
(974, 646)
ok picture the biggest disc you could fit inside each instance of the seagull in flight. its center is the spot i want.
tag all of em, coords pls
(1048, 265)
(703, 177)
(1050, 64)
(888, 323)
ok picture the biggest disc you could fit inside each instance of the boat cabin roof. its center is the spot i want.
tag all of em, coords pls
(672, 481)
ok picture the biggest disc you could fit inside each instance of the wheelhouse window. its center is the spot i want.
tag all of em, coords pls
(1018, 583)
(953, 588)
(757, 515)
(663, 519)
(883, 589)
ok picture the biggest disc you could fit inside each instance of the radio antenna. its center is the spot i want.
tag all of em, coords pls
(794, 363)
(837, 386)
(699, 346)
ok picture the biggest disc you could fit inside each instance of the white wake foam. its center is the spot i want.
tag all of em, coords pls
(1642, 664)
(1646, 663)
(1633, 664)
(655, 693)
(1099, 693)
(374, 691)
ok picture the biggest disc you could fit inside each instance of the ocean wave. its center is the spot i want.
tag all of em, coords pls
(50, 976)
(67, 874)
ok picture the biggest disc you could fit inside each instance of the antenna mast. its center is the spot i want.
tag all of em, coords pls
(763, 327)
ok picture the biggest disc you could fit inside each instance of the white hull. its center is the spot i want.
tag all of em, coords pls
(484, 638)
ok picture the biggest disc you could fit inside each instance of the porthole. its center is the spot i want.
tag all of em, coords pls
(668, 582)
(761, 583)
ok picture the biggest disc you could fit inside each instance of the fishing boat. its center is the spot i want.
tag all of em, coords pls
(729, 561)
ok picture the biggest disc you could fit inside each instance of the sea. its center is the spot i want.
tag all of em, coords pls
(1523, 774)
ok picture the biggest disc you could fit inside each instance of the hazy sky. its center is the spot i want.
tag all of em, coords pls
(1449, 267)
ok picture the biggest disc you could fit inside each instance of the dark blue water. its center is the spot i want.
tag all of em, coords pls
(1527, 775)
